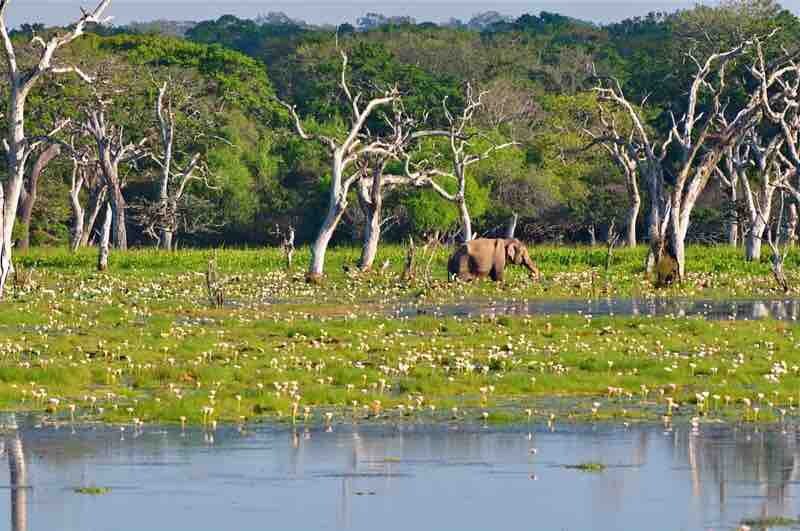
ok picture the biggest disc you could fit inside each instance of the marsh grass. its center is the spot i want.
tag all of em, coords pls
(142, 343)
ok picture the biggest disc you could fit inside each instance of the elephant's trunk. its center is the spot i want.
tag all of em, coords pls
(531, 266)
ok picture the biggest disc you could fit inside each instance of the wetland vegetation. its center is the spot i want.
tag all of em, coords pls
(143, 344)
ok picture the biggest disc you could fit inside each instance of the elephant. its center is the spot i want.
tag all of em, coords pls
(484, 257)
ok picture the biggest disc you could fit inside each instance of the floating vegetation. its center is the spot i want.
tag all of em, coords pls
(770, 522)
(587, 467)
(92, 491)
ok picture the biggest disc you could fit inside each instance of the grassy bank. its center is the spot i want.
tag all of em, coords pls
(568, 272)
(142, 343)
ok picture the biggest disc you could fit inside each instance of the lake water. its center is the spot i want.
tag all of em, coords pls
(783, 309)
(408, 477)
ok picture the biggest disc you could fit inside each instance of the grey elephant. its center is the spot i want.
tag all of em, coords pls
(484, 257)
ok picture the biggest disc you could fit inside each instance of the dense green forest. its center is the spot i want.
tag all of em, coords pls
(227, 75)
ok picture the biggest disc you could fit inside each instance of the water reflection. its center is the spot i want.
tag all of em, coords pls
(787, 309)
(401, 477)
(18, 481)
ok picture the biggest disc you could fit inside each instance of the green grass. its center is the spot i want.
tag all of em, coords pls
(143, 343)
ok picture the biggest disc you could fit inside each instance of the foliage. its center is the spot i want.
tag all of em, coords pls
(537, 68)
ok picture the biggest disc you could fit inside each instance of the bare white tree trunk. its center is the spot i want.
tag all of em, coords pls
(372, 237)
(701, 136)
(755, 237)
(15, 157)
(511, 229)
(105, 240)
(633, 217)
(466, 220)
(76, 185)
(343, 154)
(371, 200)
(21, 81)
(733, 225)
(173, 184)
(320, 246)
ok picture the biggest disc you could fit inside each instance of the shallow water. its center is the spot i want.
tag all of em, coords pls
(397, 478)
(739, 310)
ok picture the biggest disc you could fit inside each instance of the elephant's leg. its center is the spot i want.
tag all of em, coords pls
(497, 275)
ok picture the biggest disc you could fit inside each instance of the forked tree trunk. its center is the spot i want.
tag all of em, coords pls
(592, 230)
(97, 198)
(105, 240)
(753, 241)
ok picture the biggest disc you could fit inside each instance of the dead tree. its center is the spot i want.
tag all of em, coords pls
(699, 139)
(344, 152)
(105, 238)
(18, 146)
(164, 218)
(780, 101)
(79, 178)
(402, 133)
(111, 150)
(410, 267)
(625, 153)
(30, 191)
(462, 156)
(511, 228)
(778, 255)
(728, 176)
(287, 243)
(758, 199)
(84, 175)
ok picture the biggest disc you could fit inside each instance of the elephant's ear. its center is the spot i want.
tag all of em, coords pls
(511, 251)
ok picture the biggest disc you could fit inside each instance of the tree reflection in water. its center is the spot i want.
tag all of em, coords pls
(734, 459)
(18, 474)
(723, 472)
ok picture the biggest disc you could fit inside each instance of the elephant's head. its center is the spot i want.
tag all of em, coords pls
(517, 254)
